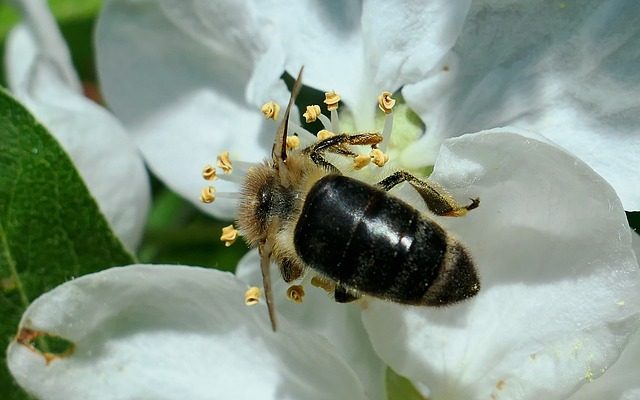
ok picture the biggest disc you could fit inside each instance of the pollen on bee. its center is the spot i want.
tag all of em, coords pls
(270, 110)
(252, 296)
(324, 134)
(332, 100)
(386, 102)
(229, 235)
(208, 194)
(378, 157)
(295, 293)
(312, 113)
(224, 162)
(293, 142)
(323, 283)
(209, 173)
(360, 161)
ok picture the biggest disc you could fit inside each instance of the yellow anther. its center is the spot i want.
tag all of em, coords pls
(209, 173)
(378, 157)
(361, 161)
(293, 142)
(312, 113)
(386, 102)
(295, 293)
(332, 100)
(229, 235)
(324, 134)
(271, 109)
(224, 162)
(208, 194)
(252, 296)
(323, 283)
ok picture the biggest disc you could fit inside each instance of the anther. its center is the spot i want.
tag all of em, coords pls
(312, 113)
(386, 102)
(332, 100)
(224, 162)
(252, 296)
(209, 173)
(295, 293)
(229, 235)
(208, 194)
(323, 283)
(271, 109)
(360, 161)
(293, 142)
(325, 134)
(378, 157)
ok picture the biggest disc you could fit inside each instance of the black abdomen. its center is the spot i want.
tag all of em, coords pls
(372, 242)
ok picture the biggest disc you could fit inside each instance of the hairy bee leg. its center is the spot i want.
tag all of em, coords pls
(290, 270)
(436, 198)
(336, 143)
(344, 295)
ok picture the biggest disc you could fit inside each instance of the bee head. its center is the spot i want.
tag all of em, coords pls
(264, 199)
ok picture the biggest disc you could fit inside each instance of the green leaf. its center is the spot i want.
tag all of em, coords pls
(400, 388)
(51, 229)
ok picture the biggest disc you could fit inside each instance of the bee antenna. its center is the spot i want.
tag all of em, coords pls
(280, 144)
(265, 263)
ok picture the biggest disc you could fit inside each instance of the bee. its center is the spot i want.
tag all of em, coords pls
(300, 211)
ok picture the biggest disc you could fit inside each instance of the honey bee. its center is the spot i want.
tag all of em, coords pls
(300, 211)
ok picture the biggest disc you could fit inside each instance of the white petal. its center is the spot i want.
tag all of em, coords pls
(361, 49)
(102, 152)
(620, 382)
(566, 70)
(169, 332)
(319, 313)
(560, 284)
(182, 93)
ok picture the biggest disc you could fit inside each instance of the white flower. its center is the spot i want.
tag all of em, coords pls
(560, 290)
(186, 77)
(560, 299)
(171, 332)
(40, 74)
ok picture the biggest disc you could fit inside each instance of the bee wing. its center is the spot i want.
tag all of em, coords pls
(265, 263)
(280, 143)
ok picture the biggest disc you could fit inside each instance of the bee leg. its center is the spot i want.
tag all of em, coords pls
(435, 197)
(343, 294)
(337, 144)
(290, 270)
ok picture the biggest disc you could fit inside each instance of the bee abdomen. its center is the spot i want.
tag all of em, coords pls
(374, 243)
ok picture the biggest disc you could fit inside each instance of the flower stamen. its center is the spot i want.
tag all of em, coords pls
(332, 100)
(312, 113)
(360, 161)
(208, 194)
(229, 235)
(224, 162)
(324, 134)
(270, 110)
(295, 293)
(209, 173)
(378, 157)
(293, 142)
(386, 104)
(252, 296)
